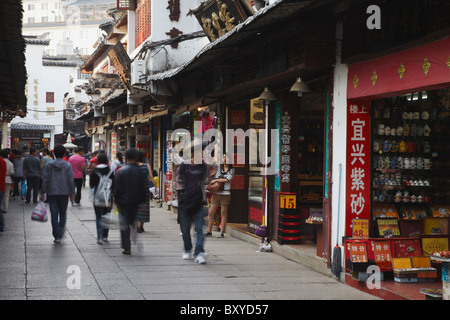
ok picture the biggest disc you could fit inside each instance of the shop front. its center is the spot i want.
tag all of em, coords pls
(397, 170)
(25, 136)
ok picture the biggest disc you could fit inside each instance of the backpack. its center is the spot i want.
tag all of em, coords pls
(103, 194)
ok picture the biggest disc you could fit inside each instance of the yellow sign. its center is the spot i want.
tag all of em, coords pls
(360, 228)
(288, 201)
(434, 244)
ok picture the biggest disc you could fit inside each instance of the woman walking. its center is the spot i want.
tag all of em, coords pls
(143, 214)
(224, 174)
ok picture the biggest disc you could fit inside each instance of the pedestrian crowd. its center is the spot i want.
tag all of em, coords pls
(121, 185)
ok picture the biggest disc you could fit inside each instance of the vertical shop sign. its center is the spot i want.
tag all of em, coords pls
(277, 147)
(169, 169)
(113, 144)
(358, 163)
(285, 148)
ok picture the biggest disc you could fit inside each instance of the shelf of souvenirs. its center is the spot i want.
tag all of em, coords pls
(410, 211)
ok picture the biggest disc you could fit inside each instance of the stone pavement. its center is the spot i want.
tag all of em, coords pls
(32, 267)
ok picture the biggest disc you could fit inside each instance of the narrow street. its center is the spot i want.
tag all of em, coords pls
(32, 267)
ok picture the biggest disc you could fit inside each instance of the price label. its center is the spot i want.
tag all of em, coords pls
(288, 201)
(360, 228)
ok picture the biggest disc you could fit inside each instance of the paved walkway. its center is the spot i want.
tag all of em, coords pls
(33, 267)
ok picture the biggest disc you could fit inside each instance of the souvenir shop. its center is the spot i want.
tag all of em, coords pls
(398, 166)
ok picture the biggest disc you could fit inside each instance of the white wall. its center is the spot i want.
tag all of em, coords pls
(50, 79)
(169, 58)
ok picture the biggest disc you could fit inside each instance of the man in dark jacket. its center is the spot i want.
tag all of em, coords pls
(31, 171)
(131, 188)
(59, 186)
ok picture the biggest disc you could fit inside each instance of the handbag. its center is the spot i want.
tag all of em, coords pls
(39, 213)
(215, 186)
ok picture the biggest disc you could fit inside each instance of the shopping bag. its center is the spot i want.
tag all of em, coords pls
(23, 191)
(110, 220)
(39, 213)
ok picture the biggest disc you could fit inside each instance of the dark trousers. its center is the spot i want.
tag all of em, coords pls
(78, 186)
(127, 218)
(17, 184)
(32, 184)
(99, 212)
(58, 212)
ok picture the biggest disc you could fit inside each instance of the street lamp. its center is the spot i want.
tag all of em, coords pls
(300, 87)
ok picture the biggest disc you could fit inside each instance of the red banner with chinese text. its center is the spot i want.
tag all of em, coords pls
(358, 163)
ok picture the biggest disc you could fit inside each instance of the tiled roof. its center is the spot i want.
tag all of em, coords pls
(31, 127)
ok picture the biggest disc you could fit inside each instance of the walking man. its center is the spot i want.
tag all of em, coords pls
(131, 188)
(191, 178)
(59, 186)
(31, 172)
(78, 163)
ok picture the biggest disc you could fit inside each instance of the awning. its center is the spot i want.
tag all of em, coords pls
(263, 19)
(12, 58)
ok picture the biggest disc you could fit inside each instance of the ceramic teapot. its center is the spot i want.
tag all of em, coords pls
(400, 162)
(402, 146)
(394, 146)
(406, 129)
(426, 130)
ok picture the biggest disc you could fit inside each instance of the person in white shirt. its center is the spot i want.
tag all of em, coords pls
(8, 181)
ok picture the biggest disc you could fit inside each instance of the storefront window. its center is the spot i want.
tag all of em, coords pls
(411, 176)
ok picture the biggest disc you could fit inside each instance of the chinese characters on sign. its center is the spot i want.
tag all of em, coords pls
(382, 254)
(285, 148)
(358, 164)
(358, 252)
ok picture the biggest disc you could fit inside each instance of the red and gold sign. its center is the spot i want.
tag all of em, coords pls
(401, 72)
(358, 163)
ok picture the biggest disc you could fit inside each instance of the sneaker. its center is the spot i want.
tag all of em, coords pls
(57, 241)
(208, 234)
(105, 239)
(100, 241)
(127, 252)
(186, 255)
(76, 204)
(220, 235)
(200, 258)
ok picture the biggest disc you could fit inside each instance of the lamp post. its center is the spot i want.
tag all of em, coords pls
(267, 96)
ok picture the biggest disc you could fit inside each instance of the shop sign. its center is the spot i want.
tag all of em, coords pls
(122, 62)
(358, 252)
(288, 201)
(277, 147)
(382, 254)
(358, 163)
(169, 169)
(113, 144)
(405, 71)
(285, 138)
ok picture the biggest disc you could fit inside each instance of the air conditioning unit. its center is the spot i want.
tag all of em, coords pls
(138, 72)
